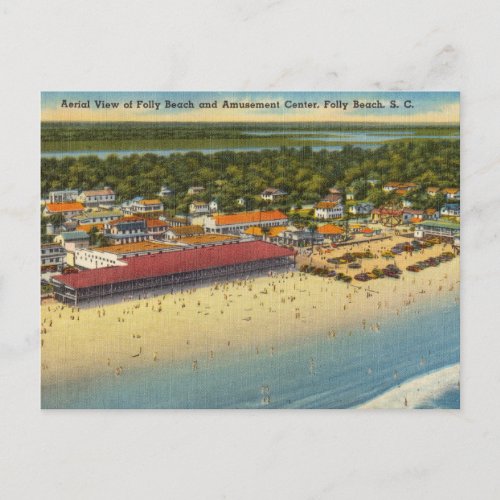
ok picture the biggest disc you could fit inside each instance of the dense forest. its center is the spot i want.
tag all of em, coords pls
(303, 173)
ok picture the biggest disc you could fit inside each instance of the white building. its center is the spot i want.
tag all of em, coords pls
(361, 208)
(328, 210)
(140, 206)
(272, 194)
(165, 192)
(451, 210)
(53, 254)
(90, 258)
(97, 197)
(195, 190)
(441, 228)
(451, 193)
(63, 196)
(97, 217)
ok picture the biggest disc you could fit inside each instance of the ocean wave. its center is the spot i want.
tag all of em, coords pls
(437, 389)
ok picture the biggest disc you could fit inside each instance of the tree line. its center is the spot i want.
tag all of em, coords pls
(303, 173)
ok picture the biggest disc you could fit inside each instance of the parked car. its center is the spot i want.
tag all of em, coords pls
(413, 269)
(390, 274)
(362, 277)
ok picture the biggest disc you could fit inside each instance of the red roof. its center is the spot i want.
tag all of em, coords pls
(127, 218)
(249, 217)
(65, 207)
(181, 261)
(155, 223)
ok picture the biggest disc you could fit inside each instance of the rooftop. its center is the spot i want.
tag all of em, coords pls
(150, 202)
(141, 246)
(208, 238)
(187, 230)
(330, 229)
(99, 192)
(98, 213)
(326, 204)
(257, 231)
(65, 207)
(440, 223)
(74, 235)
(164, 264)
(249, 217)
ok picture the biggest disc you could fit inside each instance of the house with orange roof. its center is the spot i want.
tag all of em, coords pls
(239, 222)
(451, 193)
(97, 197)
(328, 210)
(271, 234)
(432, 191)
(331, 231)
(156, 228)
(68, 210)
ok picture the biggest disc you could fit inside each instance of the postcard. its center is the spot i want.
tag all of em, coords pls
(251, 250)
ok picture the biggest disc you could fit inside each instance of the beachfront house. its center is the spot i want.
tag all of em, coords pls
(239, 222)
(332, 232)
(443, 229)
(328, 210)
(301, 238)
(98, 197)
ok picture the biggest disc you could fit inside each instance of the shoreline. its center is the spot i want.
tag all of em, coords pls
(417, 391)
(258, 316)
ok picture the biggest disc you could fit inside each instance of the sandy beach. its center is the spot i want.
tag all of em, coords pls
(258, 316)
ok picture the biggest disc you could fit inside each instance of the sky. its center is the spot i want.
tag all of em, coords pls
(421, 107)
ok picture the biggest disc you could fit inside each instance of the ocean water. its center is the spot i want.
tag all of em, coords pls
(322, 372)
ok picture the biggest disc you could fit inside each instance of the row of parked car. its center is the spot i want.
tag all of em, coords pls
(391, 271)
(413, 246)
(431, 262)
(351, 257)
